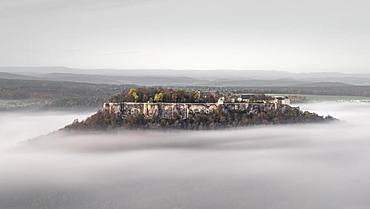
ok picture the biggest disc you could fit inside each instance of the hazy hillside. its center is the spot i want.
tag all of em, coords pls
(49, 88)
(53, 94)
(39, 94)
(4, 75)
(182, 77)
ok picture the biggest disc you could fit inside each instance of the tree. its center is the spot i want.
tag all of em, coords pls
(133, 94)
(195, 96)
(158, 97)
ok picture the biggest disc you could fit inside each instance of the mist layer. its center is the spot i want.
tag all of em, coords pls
(291, 166)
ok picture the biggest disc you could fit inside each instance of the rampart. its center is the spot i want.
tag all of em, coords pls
(183, 110)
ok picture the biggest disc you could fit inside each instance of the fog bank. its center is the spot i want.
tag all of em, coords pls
(19, 126)
(291, 166)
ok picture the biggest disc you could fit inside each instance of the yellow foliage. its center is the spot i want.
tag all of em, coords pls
(158, 97)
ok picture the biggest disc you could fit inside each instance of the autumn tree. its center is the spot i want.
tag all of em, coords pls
(158, 97)
(133, 94)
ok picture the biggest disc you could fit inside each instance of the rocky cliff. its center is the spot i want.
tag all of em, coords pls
(194, 115)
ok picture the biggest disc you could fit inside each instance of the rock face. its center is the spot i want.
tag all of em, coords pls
(194, 115)
(182, 110)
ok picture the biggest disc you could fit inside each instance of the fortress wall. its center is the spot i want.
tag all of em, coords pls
(182, 110)
(167, 110)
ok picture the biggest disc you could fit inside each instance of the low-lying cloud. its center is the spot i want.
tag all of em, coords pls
(289, 166)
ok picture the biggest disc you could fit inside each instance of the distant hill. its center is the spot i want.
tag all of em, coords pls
(154, 80)
(324, 84)
(66, 94)
(55, 94)
(4, 75)
(122, 79)
(222, 77)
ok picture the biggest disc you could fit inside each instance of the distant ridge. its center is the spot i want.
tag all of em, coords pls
(5, 75)
(185, 77)
(325, 84)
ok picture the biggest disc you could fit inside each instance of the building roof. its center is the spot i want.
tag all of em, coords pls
(247, 96)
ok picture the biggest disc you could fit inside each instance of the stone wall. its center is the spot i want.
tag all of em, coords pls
(182, 110)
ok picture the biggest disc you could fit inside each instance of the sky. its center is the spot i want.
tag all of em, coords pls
(289, 35)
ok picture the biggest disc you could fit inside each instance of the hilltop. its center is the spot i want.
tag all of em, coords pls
(154, 108)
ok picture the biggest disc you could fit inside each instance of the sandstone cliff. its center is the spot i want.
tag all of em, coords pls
(194, 116)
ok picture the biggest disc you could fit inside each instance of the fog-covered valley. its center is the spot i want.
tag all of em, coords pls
(171, 79)
(290, 166)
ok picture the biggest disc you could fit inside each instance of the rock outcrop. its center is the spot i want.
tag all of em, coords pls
(194, 115)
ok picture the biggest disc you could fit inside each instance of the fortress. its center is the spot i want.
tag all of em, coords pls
(197, 115)
(166, 110)
(184, 110)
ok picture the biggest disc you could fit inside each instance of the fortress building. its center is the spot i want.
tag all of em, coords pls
(184, 110)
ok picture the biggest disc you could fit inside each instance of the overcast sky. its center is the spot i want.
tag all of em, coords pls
(292, 35)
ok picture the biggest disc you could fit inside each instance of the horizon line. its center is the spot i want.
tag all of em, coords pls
(188, 69)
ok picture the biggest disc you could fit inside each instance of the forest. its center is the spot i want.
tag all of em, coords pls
(43, 94)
